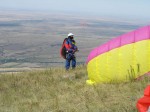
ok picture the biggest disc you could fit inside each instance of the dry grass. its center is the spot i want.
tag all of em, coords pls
(55, 90)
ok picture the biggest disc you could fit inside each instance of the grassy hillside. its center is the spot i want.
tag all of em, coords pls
(55, 90)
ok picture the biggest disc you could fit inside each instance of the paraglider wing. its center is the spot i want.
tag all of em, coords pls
(143, 104)
(121, 59)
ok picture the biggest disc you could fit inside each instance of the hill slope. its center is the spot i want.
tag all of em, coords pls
(55, 90)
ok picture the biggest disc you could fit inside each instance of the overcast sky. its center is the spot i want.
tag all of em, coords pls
(128, 8)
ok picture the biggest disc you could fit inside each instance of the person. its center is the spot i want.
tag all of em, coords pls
(71, 48)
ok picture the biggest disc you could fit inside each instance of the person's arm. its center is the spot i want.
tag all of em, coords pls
(74, 46)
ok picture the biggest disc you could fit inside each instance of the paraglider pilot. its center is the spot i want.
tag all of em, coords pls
(71, 48)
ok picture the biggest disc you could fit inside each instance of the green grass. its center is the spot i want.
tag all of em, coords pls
(55, 90)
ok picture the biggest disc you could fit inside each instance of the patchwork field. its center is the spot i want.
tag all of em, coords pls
(31, 39)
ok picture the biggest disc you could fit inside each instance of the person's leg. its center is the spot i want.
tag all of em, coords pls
(68, 58)
(67, 66)
(73, 62)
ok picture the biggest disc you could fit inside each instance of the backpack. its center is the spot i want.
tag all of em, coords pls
(63, 49)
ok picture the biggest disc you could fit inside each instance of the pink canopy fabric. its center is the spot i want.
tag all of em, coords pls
(128, 38)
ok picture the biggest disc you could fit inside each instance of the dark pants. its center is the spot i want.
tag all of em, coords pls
(70, 58)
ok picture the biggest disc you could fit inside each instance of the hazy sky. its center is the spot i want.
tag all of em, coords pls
(128, 8)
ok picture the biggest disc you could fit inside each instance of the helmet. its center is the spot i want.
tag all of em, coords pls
(70, 34)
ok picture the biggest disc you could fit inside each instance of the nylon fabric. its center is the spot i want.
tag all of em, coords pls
(120, 64)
